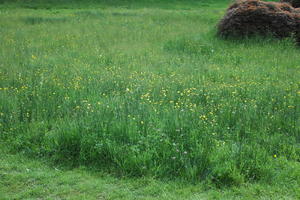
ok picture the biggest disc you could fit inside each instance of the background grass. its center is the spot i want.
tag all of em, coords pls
(144, 90)
(132, 4)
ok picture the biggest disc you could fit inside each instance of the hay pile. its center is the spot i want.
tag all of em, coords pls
(294, 3)
(255, 17)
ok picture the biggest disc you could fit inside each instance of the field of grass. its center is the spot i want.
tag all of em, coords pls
(147, 89)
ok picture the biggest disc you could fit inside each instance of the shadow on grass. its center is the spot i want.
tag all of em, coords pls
(89, 14)
(41, 20)
(257, 40)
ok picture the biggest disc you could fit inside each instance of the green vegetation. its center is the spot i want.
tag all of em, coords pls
(22, 178)
(149, 91)
(130, 4)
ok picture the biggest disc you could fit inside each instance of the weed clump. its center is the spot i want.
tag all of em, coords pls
(255, 17)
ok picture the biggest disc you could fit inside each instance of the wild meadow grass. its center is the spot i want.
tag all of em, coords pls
(149, 91)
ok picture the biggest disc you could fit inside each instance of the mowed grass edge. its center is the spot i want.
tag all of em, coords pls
(23, 178)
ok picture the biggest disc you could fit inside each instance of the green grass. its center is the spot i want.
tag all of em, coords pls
(131, 4)
(23, 178)
(149, 91)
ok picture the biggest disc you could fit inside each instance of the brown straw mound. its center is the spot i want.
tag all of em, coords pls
(255, 17)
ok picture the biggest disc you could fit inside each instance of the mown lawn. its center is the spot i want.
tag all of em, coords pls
(147, 91)
(23, 178)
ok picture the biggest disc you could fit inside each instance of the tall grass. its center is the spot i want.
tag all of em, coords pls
(149, 92)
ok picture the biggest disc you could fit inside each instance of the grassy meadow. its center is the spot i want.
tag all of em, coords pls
(145, 89)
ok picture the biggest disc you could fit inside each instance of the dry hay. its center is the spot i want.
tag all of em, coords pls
(294, 3)
(255, 17)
